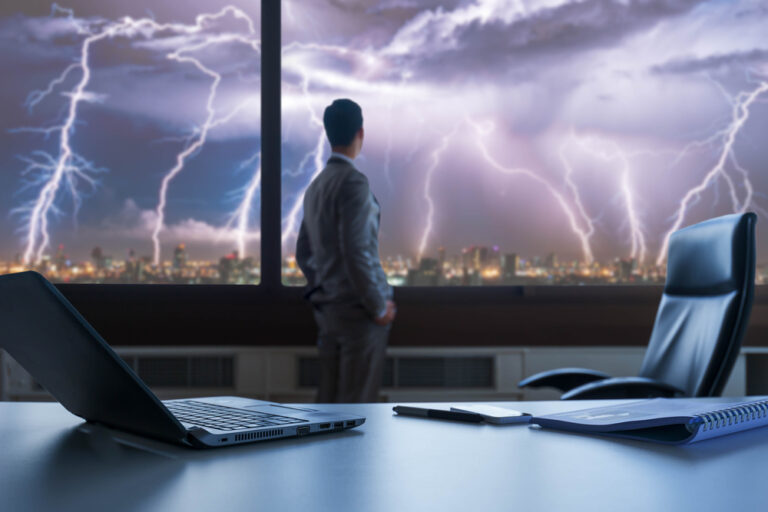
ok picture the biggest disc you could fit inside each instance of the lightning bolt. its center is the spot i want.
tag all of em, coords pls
(36, 97)
(65, 167)
(739, 115)
(182, 157)
(69, 168)
(609, 151)
(483, 131)
(242, 215)
(388, 149)
(210, 121)
(290, 223)
(291, 220)
(590, 230)
(436, 154)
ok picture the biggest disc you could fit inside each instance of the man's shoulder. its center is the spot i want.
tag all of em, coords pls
(338, 178)
(355, 183)
(346, 173)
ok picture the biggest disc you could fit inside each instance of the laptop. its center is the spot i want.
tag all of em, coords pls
(46, 335)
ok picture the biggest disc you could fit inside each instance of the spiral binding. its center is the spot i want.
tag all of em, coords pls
(733, 415)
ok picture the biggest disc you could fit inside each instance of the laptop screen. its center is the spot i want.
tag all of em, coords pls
(59, 348)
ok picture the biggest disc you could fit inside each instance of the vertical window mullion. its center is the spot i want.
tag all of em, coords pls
(270, 145)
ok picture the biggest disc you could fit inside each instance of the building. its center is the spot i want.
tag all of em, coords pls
(626, 269)
(510, 264)
(427, 274)
(475, 257)
(550, 261)
(179, 257)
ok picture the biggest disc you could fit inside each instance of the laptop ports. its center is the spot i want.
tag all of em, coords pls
(325, 425)
(350, 423)
(302, 431)
(338, 424)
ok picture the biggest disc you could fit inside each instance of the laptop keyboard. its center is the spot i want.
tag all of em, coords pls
(224, 418)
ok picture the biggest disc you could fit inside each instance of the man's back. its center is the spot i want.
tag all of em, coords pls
(338, 251)
(338, 244)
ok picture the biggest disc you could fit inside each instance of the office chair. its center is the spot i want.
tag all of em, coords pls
(700, 322)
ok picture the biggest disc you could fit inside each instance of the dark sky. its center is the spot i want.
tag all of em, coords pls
(574, 127)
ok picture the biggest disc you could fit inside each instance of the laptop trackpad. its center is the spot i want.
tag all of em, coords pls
(279, 410)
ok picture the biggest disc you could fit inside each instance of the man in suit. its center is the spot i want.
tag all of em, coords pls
(338, 251)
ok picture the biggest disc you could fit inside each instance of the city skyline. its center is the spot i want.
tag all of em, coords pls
(474, 266)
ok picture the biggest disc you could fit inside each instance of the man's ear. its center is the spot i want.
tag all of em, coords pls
(361, 132)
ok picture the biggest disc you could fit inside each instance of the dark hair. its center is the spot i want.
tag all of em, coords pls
(342, 119)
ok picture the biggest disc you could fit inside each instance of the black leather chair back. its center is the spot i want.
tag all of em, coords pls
(705, 306)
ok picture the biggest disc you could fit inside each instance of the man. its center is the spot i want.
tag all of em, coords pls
(338, 251)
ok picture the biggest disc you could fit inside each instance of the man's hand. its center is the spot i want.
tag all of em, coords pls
(388, 316)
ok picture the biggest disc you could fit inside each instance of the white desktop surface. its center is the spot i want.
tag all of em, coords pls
(51, 460)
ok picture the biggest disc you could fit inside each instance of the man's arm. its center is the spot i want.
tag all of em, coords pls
(304, 254)
(355, 229)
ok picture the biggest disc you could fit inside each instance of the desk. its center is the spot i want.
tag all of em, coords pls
(51, 460)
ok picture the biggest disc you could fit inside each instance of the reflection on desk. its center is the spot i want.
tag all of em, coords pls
(53, 461)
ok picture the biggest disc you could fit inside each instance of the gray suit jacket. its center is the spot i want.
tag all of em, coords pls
(338, 244)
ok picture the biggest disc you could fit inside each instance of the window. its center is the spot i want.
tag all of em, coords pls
(515, 143)
(131, 146)
(509, 143)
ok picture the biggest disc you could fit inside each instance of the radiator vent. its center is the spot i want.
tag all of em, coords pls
(419, 372)
(259, 435)
(184, 371)
(309, 372)
(445, 372)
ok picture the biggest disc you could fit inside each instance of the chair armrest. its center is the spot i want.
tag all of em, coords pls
(563, 379)
(623, 387)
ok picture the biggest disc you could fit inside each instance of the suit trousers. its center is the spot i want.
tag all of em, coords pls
(352, 349)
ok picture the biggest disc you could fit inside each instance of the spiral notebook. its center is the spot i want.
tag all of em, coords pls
(663, 420)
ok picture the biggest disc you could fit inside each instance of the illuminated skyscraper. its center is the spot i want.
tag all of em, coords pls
(180, 257)
(60, 259)
(475, 257)
(229, 268)
(440, 263)
(134, 268)
(97, 255)
(551, 261)
(494, 258)
(627, 267)
(425, 275)
(510, 264)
